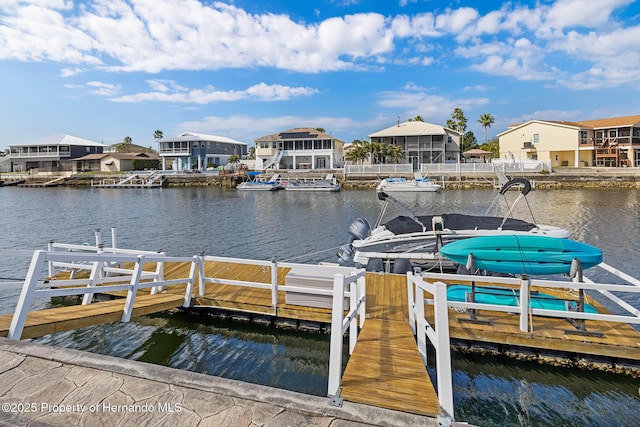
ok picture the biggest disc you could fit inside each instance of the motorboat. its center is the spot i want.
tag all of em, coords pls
(417, 184)
(256, 184)
(408, 241)
(327, 184)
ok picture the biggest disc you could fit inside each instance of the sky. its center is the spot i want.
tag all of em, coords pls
(107, 69)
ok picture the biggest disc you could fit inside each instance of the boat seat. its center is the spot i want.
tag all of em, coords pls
(375, 265)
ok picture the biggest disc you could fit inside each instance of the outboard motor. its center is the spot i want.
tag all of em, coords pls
(359, 229)
(345, 252)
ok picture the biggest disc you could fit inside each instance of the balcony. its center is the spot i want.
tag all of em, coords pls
(528, 146)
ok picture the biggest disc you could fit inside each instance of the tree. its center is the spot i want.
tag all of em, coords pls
(359, 151)
(469, 142)
(393, 153)
(234, 158)
(493, 146)
(486, 120)
(320, 130)
(458, 121)
(416, 119)
(127, 140)
(252, 153)
(157, 134)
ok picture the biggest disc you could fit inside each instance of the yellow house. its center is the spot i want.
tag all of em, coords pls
(613, 142)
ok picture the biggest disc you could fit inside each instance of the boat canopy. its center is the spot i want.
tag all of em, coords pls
(455, 221)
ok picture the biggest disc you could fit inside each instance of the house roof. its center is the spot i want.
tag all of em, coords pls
(476, 152)
(192, 136)
(413, 128)
(130, 148)
(120, 156)
(612, 122)
(296, 133)
(60, 139)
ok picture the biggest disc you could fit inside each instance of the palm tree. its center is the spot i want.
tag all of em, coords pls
(486, 120)
(393, 153)
(127, 140)
(416, 119)
(157, 134)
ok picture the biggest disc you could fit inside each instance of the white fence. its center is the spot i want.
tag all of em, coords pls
(509, 167)
(100, 280)
(438, 335)
(340, 324)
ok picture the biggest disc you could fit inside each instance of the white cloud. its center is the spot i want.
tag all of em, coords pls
(103, 89)
(521, 42)
(169, 91)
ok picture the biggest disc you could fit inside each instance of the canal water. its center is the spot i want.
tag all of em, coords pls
(300, 227)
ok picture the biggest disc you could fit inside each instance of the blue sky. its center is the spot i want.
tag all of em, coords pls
(107, 69)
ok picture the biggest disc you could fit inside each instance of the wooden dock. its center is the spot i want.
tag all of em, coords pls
(61, 319)
(385, 369)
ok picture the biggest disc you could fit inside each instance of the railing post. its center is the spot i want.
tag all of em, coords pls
(114, 243)
(26, 296)
(411, 302)
(201, 277)
(353, 322)
(98, 237)
(159, 275)
(192, 278)
(421, 333)
(362, 293)
(95, 274)
(274, 283)
(50, 249)
(524, 304)
(443, 351)
(335, 350)
(133, 290)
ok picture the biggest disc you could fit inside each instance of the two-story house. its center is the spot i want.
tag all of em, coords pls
(196, 151)
(612, 142)
(421, 142)
(51, 154)
(299, 148)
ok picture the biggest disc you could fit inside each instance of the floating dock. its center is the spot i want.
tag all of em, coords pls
(388, 352)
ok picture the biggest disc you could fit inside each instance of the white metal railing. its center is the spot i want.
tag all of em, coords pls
(98, 281)
(438, 335)
(272, 285)
(340, 323)
(526, 313)
(350, 169)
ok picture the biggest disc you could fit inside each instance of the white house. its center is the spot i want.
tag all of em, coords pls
(299, 148)
(421, 142)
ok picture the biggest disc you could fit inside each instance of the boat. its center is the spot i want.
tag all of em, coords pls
(411, 241)
(256, 184)
(522, 254)
(327, 184)
(417, 184)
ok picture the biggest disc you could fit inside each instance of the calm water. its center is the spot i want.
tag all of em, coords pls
(309, 228)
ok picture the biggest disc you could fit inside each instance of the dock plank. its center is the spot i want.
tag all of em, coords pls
(60, 319)
(386, 370)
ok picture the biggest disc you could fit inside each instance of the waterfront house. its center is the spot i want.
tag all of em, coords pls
(51, 154)
(196, 151)
(612, 142)
(421, 142)
(299, 148)
(117, 162)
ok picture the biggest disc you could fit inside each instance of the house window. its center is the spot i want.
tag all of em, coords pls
(536, 138)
